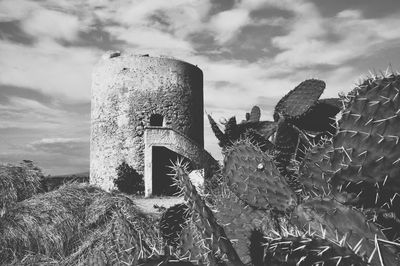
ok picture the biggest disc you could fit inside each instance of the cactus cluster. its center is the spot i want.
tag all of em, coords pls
(299, 193)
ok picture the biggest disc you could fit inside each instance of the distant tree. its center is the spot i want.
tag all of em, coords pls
(129, 181)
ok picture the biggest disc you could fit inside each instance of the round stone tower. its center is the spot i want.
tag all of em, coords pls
(132, 93)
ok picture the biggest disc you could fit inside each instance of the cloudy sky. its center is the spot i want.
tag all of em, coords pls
(251, 52)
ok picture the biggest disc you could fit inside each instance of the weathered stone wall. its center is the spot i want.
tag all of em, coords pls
(126, 91)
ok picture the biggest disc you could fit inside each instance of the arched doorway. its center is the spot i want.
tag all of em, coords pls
(162, 182)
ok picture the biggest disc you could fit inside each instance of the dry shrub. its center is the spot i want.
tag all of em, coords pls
(120, 233)
(46, 223)
(18, 182)
(77, 224)
(35, 260)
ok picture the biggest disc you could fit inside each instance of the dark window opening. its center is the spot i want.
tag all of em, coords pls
(156, 120)
(163, 184)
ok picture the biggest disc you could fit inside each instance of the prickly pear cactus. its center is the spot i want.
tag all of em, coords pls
(286, 140)
(222, 138)
(254, 178)
(367, 147)
(192, 246)
(336, 221)
(240, 219)
(252, 127)
(255, 114)
(172, 222)
(340, 166)
(213, 233)
(315, 170)
(299, 100)
(258, 140)
(305, 250)
(231, 129)
(321, 117)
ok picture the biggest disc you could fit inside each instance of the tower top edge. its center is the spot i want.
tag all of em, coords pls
(112, 55)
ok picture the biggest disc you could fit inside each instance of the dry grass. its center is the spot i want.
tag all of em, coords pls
(45, 223)
(35, 260)
(77, 224)
(120, 233)
(17, 183)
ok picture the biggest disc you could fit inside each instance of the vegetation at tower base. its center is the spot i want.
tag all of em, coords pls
(128, 180)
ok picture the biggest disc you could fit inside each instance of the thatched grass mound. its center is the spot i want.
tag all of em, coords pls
(45, 223)
(18, 182)
(120, 233)
(35, 260)
(77, 224)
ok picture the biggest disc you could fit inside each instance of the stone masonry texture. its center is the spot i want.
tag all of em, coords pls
(126, 91)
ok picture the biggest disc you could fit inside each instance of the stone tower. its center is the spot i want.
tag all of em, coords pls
(144, 107)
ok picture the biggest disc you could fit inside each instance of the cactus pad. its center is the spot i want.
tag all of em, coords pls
(315, 170)
(367, 146)
(240, 220)
(308, 250)
(299, 100)
(222, 138)
(258, 140)
(286, 140)
(213, 233)
(320, 117)
(336, 221)
(255, 114)
(231, 130)
(254, 178)
(172, 221)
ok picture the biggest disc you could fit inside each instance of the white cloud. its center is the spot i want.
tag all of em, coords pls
(148, 40)
(59, 140)
(182, 17)
(76, 148)
(232, 86)
(16, 9)
(307, 42)
(228, 23)
(30, 114)
(49, 67)
(44, 23)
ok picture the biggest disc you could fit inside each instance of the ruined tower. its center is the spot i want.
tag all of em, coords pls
(144, 109)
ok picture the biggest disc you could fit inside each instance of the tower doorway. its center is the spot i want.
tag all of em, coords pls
(162, 182)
